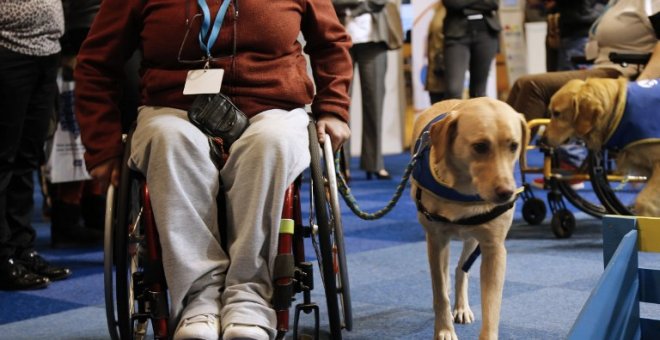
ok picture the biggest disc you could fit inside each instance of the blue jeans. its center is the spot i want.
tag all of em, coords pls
(568, 48)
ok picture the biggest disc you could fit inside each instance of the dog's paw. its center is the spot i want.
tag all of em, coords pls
(446, 334)
(463, 315)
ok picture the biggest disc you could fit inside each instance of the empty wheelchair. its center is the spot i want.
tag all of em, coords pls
(135, 288)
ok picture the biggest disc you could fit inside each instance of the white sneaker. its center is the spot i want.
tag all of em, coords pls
(198, 327)
(235, 331)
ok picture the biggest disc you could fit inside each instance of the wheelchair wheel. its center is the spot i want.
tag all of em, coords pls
(617, 192)
(534, 211)
(563, 223)
(139, 292)
(329, 246)
(119, 294)
(343, 288)
(592, 207)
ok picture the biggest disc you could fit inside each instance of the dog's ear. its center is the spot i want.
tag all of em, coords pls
(587, 110)
(443, 134)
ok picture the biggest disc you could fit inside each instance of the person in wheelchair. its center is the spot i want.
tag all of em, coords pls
(623, 27)
(215, 291)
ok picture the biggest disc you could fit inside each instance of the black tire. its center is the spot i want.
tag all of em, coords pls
(563, 223)
(326, 241)
(126, 254)
(127, 250)
(595, 209)
(534, 211)
(617, 201)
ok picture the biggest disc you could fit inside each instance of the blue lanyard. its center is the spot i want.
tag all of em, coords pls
(217, 24)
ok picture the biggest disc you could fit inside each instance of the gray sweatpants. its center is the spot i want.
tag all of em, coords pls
(184, 183)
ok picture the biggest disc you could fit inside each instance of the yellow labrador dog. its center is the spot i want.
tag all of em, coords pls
(463, 185)
(617, 115)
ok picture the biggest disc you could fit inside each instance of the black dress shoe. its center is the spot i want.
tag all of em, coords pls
(380, 174)
(38, 265)
(14, 276)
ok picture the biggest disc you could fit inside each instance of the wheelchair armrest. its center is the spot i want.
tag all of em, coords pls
(630, 58)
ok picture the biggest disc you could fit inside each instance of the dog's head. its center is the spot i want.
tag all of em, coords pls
(581, 108)
(476, 146)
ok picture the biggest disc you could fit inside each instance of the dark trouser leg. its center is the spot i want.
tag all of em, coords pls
(436, 97)
(27, 94)
(457, 54)
(372, 65)
(530, 94)
(482, 52)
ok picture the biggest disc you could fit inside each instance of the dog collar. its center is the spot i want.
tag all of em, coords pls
(467, 221)
(423, 175)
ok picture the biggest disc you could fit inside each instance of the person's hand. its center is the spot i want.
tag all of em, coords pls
(334, 127)
(107, 173)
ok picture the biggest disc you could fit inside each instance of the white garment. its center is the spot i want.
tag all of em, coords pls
(625, 28)
(361, 28)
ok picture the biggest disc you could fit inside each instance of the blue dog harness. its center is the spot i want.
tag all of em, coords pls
(424, 177)
(640, 120)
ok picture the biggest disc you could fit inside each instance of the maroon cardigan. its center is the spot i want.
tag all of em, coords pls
(268, 70)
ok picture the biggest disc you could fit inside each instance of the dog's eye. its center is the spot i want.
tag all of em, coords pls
(513, 147)
(555, 114)
(481, 148)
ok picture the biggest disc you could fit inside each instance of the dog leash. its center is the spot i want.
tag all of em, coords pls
(350, 200)
(423, 141)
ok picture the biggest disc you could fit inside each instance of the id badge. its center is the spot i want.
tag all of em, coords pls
(591, 50)
(203, 81)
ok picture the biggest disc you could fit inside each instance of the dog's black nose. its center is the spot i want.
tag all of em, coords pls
(543, 140)
(504, 194)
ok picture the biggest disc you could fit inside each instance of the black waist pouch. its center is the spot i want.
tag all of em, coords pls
(217, 116)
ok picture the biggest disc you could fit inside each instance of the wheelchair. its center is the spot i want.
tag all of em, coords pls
(136, 297)
(613, 192)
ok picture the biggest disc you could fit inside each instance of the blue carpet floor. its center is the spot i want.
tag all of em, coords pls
(547, 280)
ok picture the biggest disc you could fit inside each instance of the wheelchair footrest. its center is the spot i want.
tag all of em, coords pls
(306, 308)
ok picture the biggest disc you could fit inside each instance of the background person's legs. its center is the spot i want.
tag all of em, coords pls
(27, 97)
(457, 56)
(569, 48)
(482, 52)
(371, 60)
